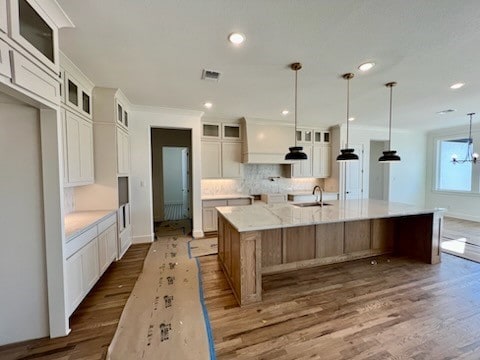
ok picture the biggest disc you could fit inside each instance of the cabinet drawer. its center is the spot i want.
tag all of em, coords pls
(5, 68)
(236, 202)
(80, 241)
(28, 76)
(105, 224)
(214, 203)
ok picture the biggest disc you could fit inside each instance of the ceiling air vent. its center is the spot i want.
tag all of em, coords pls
(210, 75)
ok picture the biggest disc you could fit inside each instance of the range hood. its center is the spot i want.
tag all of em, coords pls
(266, 141)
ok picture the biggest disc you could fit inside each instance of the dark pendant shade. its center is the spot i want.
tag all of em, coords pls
(296, 153)
(389, 156)
(347, 155)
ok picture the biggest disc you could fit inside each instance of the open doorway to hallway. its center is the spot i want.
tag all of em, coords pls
(171, 181)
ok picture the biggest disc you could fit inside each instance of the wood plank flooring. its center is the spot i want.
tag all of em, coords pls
(395, 308)
(95, 321)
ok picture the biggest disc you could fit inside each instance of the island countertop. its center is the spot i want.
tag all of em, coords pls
(263, 217)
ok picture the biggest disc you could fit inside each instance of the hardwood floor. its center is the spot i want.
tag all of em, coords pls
(95, 321)
(393, 309)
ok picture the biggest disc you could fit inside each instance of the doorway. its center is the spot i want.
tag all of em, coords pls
(378, 172)
(171, 181)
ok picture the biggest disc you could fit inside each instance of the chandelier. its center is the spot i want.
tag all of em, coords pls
(470, 156)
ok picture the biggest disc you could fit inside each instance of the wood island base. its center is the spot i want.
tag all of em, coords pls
(246, 256)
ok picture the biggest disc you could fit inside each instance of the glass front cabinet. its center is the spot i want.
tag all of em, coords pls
(33, 29)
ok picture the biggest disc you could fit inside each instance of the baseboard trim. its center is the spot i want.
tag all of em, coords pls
(462, 216)
(197, 234)
(143, 239)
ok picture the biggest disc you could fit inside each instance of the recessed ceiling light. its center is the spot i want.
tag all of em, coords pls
(208, 105)
(457, 86)
(285, 112)
(236, 38)
(443, 112)
(351, 118)
(366, 66)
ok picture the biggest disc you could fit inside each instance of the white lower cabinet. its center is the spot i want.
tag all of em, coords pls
(85, 266)
(78, 150)
(107, 248)
(74, 281)
(210, 214)
(5, 69)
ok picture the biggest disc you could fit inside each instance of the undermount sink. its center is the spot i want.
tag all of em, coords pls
(311, 204)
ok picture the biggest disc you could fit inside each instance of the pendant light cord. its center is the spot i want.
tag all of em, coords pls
(390, 121)
(348, 106)
(295, 131)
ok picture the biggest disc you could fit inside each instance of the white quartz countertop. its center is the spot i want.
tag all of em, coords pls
(79, 221)
(263, 216)
(226, 197)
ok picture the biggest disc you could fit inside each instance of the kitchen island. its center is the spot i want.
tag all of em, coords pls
(265, 239)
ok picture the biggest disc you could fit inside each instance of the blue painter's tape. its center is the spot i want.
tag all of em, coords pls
(189, 250)
(205, 312)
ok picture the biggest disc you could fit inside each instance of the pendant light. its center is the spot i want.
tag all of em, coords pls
(347, 154)
(296, 152)
(389, 155)
(469, 156)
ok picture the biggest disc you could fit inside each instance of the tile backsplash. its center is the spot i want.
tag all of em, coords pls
(257, 179)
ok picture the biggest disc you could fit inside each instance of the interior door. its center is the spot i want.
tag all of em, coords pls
(185, 184)
(352, 176)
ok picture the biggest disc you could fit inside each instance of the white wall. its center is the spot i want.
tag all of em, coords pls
(460, 205)
(407, 178)
(172, 179)
(142, 120)
(23, 275)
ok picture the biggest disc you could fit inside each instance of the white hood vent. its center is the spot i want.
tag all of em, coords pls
(266, 141)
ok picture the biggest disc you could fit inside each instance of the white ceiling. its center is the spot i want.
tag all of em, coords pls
(155, 50)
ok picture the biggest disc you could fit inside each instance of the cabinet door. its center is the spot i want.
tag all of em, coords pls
(303, 168)
(210, 219)
(90, 266)
(321, 161)
(72, 131)
(211, 160)
(102, 252)
(86, 151)
(111, 238)
(79, 149)
(3, 16)
(74, 281)
(122, 152)
(31, 27)
(211, 131)
(231, 132)
(232, 166)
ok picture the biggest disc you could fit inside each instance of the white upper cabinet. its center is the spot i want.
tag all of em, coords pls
(211, 131)
(316, 144)
(3, 16)
(78, 150)
(211, 159)
(123, 152)
(121, 114)
(231, 132)
(232, 166)
(76, 88)
(34, 26)
(321, 161)
(303, 168)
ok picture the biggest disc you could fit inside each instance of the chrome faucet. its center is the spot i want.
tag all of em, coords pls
(320, 201)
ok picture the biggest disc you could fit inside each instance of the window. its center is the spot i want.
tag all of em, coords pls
(463, 177)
